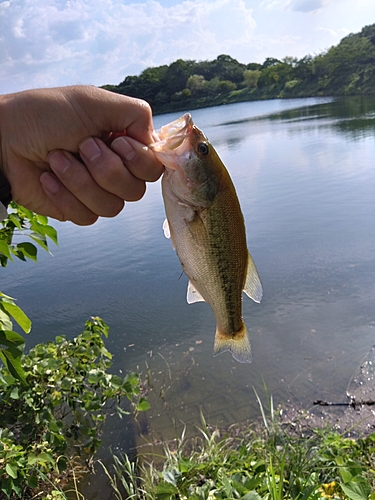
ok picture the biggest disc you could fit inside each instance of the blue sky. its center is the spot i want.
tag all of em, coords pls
(64, 42)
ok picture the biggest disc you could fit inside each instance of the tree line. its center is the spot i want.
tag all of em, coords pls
(345, 69)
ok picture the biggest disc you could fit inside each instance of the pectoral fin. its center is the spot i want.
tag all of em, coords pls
(253, 286)
(167, 232)
(193, 295)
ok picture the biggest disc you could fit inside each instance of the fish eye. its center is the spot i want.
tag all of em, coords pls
(202, 149)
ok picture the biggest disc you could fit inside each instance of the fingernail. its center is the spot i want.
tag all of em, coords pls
(90, 149)
(50, 183)
(123, 148)
(59, 161)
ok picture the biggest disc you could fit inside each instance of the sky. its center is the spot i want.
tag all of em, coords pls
(48, 43)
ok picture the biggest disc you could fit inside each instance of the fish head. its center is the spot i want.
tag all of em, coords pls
(190, 160)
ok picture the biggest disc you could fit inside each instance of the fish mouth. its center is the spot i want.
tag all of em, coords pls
(173, 135)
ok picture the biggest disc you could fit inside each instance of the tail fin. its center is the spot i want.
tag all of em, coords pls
(238, 345)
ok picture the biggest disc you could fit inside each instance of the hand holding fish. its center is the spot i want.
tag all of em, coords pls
(65, 154)
(206, 225)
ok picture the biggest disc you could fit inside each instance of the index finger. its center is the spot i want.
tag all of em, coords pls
(107, 111)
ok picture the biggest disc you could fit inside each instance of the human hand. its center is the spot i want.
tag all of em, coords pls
(41, 132)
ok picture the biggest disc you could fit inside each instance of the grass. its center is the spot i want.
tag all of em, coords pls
(268, 461)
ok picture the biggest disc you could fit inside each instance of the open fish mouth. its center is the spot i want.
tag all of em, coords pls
(173, 134)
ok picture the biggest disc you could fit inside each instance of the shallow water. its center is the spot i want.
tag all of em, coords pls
(304, 173)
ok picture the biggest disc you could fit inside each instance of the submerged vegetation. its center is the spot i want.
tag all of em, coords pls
(342, 70)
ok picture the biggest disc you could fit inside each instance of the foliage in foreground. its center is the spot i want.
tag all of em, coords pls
(57, 415)
(270, 463)
(20, 223)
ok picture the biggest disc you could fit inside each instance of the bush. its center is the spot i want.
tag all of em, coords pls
(58, 413)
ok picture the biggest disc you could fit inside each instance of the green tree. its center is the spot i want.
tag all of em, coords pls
(176, 76)
(227, 68)
(251, 77)
(195, 84)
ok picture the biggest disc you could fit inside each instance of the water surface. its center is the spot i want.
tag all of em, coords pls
(304, 173)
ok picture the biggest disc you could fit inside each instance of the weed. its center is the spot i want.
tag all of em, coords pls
(254, 462)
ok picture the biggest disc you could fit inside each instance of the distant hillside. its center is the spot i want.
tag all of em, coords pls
(345, 69)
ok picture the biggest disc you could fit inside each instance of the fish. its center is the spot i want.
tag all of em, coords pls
(207, 228)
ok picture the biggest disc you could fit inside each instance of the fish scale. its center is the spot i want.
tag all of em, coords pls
(205, 222)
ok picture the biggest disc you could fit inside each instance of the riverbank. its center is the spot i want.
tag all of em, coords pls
(291, 454)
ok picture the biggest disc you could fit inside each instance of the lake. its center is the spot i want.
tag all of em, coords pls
(304, 174)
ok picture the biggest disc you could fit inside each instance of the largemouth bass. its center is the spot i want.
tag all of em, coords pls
(206, 225)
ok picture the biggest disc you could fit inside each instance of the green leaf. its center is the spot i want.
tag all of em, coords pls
(42, 219)
(17, 313)
(40, 240)
(31, 459)
(11, 339)
(93, 376)
(6, 486)
(45, 458)
(28, 250)
(165, 490)
(4, 248)
(32, 481)
(5, 322)
(13, 364)
(16, 220)
(116, 381)
(51, 233)
(11, 470)
(14, 393)
(357, 490)
(172, 476)
(143, 405)
(252, 495)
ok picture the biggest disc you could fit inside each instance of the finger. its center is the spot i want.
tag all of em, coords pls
(109, 171)
(139, 159)
(75, 177)
(66, 205)
(108, 111)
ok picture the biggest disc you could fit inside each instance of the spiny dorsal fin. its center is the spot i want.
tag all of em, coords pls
(253, 286)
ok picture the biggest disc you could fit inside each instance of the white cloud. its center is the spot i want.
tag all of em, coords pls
(63, 42)
(307, 5)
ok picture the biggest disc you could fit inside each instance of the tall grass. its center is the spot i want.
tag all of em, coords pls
(263, 461)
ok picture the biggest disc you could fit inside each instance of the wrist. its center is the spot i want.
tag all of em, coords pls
(5, 189)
